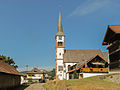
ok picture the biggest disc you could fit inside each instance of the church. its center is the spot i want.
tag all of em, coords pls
(86, 62)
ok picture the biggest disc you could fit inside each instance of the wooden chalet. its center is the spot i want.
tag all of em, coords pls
(112, 40)
(9, 76)
(97, 65)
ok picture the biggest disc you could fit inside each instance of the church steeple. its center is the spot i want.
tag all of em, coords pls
(60, 29)
(60, 48)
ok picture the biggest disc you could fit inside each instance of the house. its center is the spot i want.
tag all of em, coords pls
(9, 76)
(66, 58)
(112, 40)
(91, 67)
(36, 75)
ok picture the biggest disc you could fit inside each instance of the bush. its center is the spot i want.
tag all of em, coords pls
(76, 76)
(111, 76)
(29, 80)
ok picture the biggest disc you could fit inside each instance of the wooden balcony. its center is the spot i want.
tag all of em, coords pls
(94, 70)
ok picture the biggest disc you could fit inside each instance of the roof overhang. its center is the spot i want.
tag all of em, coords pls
(111, 31)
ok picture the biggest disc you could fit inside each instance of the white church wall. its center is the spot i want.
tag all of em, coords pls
(66, 75)
(60, 52)
(60, 73)
(59, 61)
(85, 75)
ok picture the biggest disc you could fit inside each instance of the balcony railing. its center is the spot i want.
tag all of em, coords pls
(104, 70)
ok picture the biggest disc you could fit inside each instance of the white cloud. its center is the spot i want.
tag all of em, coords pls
(90, 6)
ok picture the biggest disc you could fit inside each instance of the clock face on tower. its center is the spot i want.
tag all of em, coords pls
(60, 37)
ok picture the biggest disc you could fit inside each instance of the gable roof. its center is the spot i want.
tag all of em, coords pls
(36, 71)
(81, 56)
(80, 65)
(6, 68)
(111, 31)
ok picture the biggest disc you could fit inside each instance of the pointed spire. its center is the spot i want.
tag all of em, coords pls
(60, 29)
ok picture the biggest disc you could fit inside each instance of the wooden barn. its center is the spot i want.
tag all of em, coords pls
(9, 76)
(112, 40)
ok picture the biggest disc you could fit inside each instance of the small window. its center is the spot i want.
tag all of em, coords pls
(60, 75)
(60, 54)
(60, 68)
(59, 43)
(35, 71)
(60, 37)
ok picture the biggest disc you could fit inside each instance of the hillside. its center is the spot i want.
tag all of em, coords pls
(92, 83)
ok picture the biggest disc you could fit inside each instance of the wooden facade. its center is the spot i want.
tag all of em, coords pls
(9, 77)
(114, 54)
(112, 40)
(95, 65)
(8, 81)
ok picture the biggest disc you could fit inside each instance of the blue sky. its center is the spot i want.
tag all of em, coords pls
(28, 27)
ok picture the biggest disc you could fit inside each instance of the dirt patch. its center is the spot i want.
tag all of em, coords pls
(113, 78)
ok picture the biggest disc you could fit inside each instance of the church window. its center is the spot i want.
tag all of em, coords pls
(60, 68)
(60, 43)
(60, 54)
(60, 37)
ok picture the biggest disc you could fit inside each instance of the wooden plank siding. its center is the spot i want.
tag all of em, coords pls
(9, 81)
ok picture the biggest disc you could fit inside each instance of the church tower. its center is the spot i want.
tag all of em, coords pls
(60, 40)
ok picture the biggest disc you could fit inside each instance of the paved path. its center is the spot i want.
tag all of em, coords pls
(36, 86)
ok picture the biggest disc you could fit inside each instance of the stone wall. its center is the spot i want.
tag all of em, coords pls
(9, 80)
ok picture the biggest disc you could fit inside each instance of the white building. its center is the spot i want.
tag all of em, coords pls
(65, 58)
(36, 75)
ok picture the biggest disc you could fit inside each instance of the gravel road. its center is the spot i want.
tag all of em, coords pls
(36, 86)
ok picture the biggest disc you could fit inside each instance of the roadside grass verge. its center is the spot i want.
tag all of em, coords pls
(91, 83)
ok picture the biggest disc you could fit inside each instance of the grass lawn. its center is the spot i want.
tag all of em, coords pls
(92, 83)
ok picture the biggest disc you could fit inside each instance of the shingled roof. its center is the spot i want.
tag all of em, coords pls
(76, 56)
(37, 71)
(5, 68)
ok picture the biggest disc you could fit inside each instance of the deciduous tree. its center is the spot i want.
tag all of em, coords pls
(8, 60)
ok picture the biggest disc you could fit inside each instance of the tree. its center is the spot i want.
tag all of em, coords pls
(8, 60)
(52, 74)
